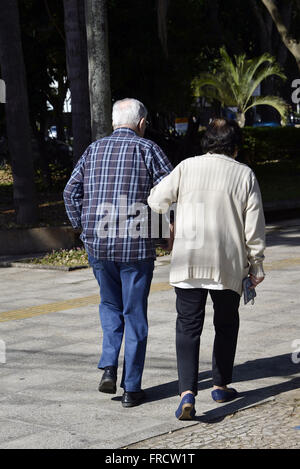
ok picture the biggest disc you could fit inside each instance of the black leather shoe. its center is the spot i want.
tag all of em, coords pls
(108, 381)
(131, 399)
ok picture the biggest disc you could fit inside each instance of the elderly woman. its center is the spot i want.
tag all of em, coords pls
(219, 240)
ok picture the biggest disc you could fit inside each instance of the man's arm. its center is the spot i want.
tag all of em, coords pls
(166, 192)
(160, 166)
(163, 195)
(73, 193)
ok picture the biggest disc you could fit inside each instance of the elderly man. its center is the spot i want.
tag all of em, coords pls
(106, 196)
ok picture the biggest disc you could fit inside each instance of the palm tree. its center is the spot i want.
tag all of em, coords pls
(235, 81)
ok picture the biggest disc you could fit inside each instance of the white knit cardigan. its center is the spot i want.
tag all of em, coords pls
(220, 226)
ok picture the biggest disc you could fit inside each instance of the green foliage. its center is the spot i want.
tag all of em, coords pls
(6, 178)
(270, 144)
(235, 80)
(76, 257)
(6, 185)
(58, 177)
(279, 180)
(160, 251)
(63, 257)
(274, 155)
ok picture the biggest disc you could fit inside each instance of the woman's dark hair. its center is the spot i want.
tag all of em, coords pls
(222, 136)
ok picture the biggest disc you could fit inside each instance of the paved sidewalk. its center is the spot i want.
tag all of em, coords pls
(50, 333)
(274, 424)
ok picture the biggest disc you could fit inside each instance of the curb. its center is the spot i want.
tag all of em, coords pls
(42, 267)
(27, 265)
(160, 260)
(35, 240)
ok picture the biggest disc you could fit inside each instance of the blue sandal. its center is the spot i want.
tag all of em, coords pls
(224, 395)
(186, 409)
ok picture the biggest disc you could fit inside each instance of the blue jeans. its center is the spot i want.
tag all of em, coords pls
(124, 290)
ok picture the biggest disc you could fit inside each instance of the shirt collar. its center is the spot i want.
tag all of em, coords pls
(220, 155)
(125, 130)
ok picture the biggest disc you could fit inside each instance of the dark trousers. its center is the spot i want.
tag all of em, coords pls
(190, 304)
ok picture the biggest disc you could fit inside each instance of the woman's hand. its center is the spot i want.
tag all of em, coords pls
(255, 280)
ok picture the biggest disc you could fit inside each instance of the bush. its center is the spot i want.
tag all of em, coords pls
(270, 144)
(260, 144)
(63, 257)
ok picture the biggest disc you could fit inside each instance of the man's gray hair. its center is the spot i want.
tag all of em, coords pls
(128, 111)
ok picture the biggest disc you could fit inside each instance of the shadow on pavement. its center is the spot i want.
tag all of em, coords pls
(290, 236)
(248, 398)
(281, 366)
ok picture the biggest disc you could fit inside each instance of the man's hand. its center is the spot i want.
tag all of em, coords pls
(171, 239)
(77, 231)
(255, 280)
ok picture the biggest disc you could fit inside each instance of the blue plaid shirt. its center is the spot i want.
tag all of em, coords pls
(107, 195)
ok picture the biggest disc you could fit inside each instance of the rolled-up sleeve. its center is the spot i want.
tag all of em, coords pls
(158, 164)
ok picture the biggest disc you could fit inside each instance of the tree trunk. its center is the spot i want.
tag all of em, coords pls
(17, 112)
(162, 10)
(264, 31)
(216, 28)
(286, 13)
(77, 64)
(98, 64)
(241, 119)
(271, 42)
(292, 45)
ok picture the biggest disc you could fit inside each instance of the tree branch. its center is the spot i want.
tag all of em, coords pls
(162, 10)
(53, 21)
(263, 27)
(291, 43)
